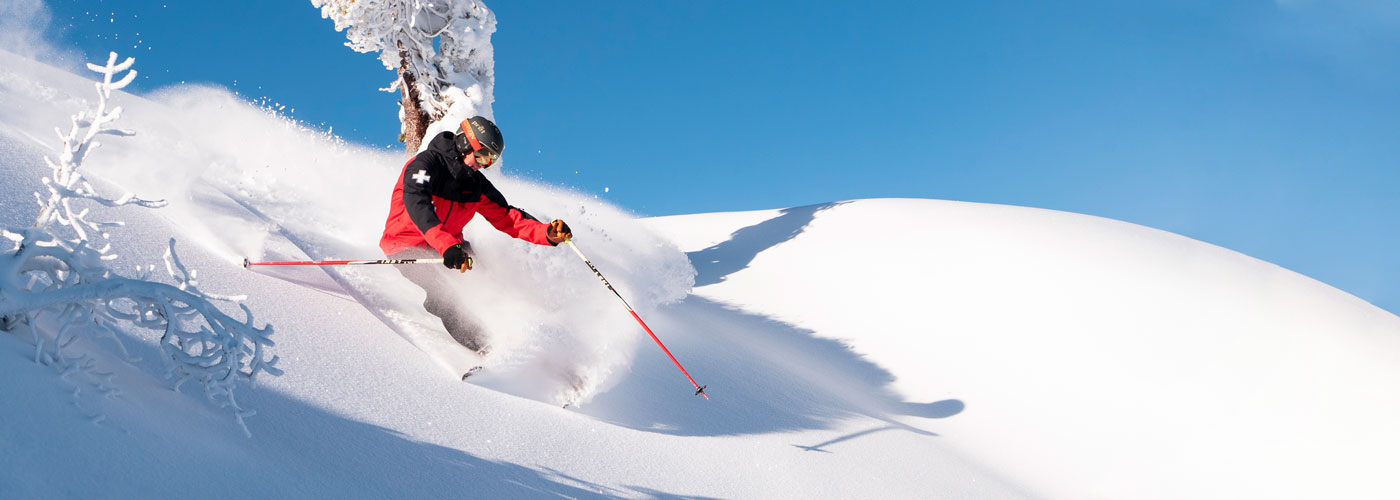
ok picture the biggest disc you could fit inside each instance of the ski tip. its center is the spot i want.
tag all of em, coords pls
(470, 372)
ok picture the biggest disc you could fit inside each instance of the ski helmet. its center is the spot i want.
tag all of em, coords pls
(477, 132)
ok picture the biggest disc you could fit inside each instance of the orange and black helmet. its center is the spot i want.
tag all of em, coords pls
(476, 133)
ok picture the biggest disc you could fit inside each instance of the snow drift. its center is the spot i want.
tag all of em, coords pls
(1115, 360)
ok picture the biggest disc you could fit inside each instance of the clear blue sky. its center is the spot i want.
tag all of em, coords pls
(1271, 127)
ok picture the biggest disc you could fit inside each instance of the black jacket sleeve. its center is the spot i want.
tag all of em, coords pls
(418, 194)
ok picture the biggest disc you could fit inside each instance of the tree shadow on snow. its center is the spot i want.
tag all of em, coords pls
(848, 437)
(713, 264)
(936, 409)
(319, 454)
(763, 376)
(351, 448)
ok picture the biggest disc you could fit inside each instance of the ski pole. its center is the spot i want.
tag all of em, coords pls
(699, 389)
(246, 263)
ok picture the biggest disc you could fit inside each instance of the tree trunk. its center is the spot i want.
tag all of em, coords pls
(415, 121)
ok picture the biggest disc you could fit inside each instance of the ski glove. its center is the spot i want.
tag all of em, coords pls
(456, 257)
(558, 232)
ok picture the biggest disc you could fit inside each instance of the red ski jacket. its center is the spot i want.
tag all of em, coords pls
(436, 195)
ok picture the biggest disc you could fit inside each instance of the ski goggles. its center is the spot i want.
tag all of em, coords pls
(484, 156)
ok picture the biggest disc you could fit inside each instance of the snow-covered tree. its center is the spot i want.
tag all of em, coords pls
(56, 286)
(441, 50)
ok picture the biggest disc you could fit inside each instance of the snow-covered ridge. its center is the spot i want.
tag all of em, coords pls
(1102, 352)
(888, 348)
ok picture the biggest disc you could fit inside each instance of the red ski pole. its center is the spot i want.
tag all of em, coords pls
(699, 389)
(247, 263)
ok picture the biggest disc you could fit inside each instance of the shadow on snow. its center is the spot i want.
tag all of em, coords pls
(354, 459)
(713, 264)
(763, 375)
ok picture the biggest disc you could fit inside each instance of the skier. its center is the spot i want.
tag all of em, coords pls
(438, 192)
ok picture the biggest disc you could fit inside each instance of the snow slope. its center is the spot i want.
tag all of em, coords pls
(1096, 358)
(862, 349)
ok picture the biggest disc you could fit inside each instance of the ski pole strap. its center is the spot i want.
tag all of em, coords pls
(247, 263)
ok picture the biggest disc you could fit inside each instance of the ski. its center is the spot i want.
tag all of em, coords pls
(470, 372)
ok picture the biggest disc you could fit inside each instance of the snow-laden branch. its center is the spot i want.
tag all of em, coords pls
(55, 285)
(64, 182)
(199, 341)
(406, 32)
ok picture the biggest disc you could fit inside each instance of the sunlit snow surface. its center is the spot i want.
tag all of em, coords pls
(863, 349)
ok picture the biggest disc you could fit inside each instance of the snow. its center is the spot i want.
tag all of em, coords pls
(886, 348)
(1154, 356)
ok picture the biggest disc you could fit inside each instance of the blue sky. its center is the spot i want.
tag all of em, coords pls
(1268, 127)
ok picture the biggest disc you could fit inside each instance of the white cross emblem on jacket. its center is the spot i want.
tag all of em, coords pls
(421, 176)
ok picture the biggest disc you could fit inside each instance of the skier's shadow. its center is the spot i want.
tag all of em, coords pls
(715, 263)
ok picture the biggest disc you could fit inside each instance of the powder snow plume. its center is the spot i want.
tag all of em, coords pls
(248, 182)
